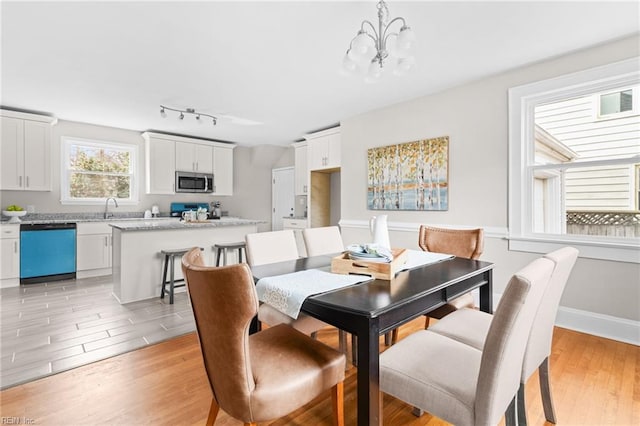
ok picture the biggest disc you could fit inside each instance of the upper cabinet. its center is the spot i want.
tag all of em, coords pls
(301, 169)
(25, 151)
(223, 170)
(323, 149)
(160, 164)
(194, 157)
(166, 154)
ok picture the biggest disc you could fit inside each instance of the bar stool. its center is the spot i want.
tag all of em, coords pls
(169, 263)
(222, 248)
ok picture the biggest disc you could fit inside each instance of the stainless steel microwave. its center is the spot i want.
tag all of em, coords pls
(194, 182)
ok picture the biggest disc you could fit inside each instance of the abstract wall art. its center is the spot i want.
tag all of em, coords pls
(409, 176)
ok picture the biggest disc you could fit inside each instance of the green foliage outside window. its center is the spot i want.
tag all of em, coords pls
(97, 172)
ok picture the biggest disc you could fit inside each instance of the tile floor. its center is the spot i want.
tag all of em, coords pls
(52, 327)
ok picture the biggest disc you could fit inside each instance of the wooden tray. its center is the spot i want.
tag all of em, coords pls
(385, 271)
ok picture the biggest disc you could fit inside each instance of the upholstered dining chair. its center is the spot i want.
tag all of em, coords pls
(258, 377)
(467, 243)
(271, 247)
(322, 240)
(460, 383)
(471, 327)
(327, 240)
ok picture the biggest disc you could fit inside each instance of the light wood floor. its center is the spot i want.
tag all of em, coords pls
(595, 382)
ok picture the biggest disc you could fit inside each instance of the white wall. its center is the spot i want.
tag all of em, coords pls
(252, 177)
(474, 116)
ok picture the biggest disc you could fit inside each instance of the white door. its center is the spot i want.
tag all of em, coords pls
(282, 196)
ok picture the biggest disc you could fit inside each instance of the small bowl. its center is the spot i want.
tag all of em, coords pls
(14, 215)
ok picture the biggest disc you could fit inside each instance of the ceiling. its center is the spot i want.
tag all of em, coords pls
(276, 63)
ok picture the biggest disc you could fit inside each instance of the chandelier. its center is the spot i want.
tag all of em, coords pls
(374, 47)
(191, 111)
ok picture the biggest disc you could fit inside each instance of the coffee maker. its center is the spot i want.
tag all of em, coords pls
(215, 211)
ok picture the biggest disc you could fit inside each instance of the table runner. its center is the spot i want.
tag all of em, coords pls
(287, 292)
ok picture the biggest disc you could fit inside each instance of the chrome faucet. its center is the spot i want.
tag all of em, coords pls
(107, 215)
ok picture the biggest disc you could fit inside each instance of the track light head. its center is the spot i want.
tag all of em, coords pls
(181, 116)
(163, 114)
(188, 111)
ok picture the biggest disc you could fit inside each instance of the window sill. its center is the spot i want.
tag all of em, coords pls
(98, 203)
(618, 250)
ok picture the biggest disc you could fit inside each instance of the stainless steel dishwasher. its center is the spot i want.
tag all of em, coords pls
(47, 252)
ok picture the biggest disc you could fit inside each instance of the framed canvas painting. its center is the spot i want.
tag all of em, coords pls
(409, 176)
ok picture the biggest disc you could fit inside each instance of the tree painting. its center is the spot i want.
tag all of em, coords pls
(409, 176)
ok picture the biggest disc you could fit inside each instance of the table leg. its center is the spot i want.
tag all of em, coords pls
(369, 397)
(486, 293)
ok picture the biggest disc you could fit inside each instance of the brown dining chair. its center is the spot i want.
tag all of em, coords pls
(262, 376)
(467, 243)
(271, 247)
(460, 383)
(471, 327)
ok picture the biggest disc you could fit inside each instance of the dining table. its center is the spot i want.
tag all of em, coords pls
(376, 306)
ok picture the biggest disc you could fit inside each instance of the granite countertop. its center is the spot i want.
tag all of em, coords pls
(158, 225)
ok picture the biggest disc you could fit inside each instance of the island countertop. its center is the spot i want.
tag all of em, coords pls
(159, 225)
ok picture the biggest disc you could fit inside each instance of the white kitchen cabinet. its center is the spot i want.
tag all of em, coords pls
(222, 170)
(301, 170)
(160, 164)
(167, 153)
(323, 149)
(94, 247)
(10, 259)
(297, 225)
(194, 157)
(25, 151)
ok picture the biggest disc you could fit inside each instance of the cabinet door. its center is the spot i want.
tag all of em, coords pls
(317, 153)
(94, 251)
(301, 170)
(203, 158)
(10, 259)
(185, 160)
(12, 154)
(222, 171)
(37, 156)
(333, 151)
(160, 166)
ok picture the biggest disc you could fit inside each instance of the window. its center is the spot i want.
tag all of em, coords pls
(572, 176)
(93, 171)
(612, 104)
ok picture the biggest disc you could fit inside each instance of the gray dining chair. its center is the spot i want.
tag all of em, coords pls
(460, 383)
(271, 247)
(471, 327)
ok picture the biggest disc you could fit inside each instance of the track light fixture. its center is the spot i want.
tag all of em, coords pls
(187, 111)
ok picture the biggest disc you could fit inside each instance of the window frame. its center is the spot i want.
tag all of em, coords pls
(521, 108)
(68, 141)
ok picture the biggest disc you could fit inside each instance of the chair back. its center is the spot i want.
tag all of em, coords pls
(503, 352)
(539, 345)
(271, 247)
(224, 302)
(323, 240)
(467, 243)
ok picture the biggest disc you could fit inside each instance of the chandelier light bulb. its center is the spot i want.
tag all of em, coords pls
(349, 64)
(362, 44)
(406, 38)
(375, 70)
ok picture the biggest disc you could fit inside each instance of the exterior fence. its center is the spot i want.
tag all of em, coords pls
(611, 224)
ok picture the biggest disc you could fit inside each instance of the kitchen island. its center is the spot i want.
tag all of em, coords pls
(137, 262)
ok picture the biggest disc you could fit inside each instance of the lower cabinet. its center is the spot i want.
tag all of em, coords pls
(94, 245)
(10, 259)
(297, 225)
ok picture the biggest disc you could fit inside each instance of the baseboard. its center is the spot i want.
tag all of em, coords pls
(614, 328)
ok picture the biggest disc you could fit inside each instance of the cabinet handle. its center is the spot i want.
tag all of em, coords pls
(27, 178)
(15, 247)
(106, 241)
(19, 180)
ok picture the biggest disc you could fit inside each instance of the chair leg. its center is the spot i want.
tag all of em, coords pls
(387, 339)
(314, 335)
(342, 341)
(510, 415)
(172, 283)
(417, 412)
(164, 276)
(337, 400)
(213, 412)
(545, 391)
(394, 336)
(521, 410)
(354, 350)
(426, 321)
